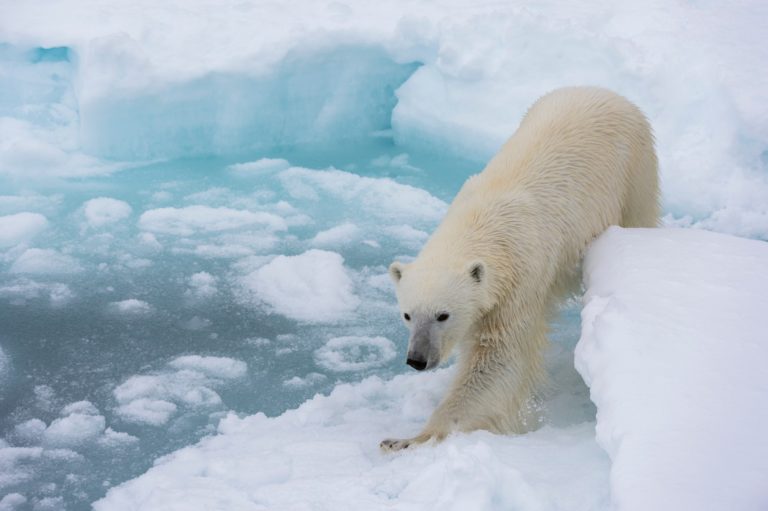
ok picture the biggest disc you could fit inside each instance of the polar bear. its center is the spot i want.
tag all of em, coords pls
(511, 244)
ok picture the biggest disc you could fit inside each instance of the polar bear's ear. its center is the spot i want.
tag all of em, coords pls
(476, 271)
(396, 271)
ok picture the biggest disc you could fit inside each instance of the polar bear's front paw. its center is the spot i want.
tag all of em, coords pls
(392, 445)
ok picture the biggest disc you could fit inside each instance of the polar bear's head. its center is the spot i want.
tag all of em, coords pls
(439, 306)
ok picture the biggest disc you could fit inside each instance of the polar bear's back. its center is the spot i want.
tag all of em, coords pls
(581, 160)
(582, 151)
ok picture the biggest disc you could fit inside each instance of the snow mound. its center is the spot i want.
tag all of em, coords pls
(673, 350)
(326, 451)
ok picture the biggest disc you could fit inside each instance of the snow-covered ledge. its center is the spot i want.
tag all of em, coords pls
(674, 348)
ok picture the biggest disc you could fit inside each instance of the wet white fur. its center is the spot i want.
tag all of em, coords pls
(582, 159)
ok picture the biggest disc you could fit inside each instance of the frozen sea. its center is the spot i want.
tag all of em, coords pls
(199, 200)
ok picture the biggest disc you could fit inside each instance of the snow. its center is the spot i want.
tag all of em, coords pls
(313, 286)
(105, 210)
(326, 451)
(21, 227)
(673, 350)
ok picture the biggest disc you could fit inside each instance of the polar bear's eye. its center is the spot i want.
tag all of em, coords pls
(443, 316)
(407, 316)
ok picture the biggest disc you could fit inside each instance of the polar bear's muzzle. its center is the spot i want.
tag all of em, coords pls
(423, 353)
(417, 363)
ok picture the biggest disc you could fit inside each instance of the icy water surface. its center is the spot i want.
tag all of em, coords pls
(138, 306)
(155, 300)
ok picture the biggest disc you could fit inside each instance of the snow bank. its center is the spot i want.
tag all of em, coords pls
(313, 287)
(673, 349)
(325, 453)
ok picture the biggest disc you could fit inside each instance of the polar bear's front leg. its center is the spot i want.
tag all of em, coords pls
(451, 415)
(489, 393)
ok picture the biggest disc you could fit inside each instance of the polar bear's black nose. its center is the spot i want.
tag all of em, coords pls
(417, 363)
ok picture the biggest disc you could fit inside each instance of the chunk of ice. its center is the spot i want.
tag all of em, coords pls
(45, 261)
(354, 353)
(20, 227)
(313, 287)
(131, 307)
(105, 210)
(74, 430)
(201, 219)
